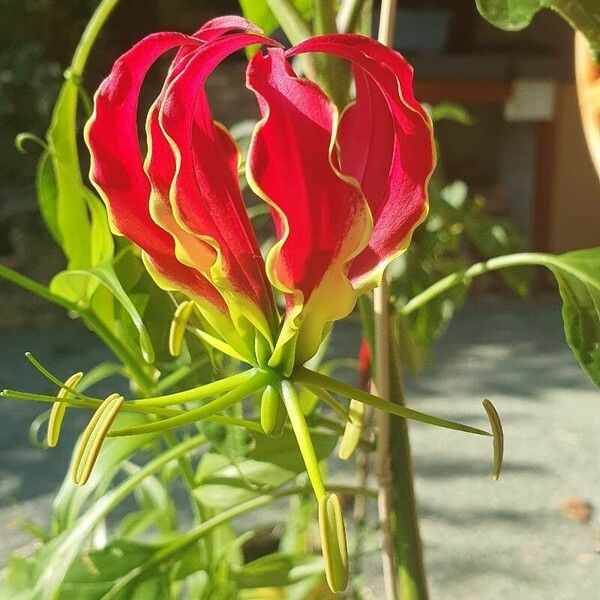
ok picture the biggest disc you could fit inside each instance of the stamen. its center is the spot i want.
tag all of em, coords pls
(307, 377)
(353, 430)
(93, 437)
(496, 426)
(333, 542)
(57, 412)
(178, 325)
(252, 384)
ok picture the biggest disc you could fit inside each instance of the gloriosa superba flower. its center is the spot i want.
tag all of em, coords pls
(345, 193)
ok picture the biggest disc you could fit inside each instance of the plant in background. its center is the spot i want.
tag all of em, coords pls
(345, 190)
(342, 212)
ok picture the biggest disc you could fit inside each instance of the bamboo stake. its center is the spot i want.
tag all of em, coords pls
(394, 486)
(387, 21)
(382, 461)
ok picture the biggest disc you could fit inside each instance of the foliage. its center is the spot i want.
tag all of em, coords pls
(130, 532)
(457, 228)
(583, 15)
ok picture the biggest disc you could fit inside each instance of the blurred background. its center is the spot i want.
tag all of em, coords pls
(509, 132)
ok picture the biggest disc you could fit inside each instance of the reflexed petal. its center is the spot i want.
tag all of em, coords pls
(117, 171)
(321, 216)
(204, 193)
(226, 24)
(385, 142)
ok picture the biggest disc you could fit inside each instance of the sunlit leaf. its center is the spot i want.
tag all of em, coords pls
(583, 15)
(279, 569)
(578, 277)
(260, 14)
(65, 284)
(93, 574)
(271, 463)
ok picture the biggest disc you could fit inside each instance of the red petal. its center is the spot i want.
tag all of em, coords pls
(321, 217)
(221, 25)
(117, 170)
(205, 193)
(386, 143)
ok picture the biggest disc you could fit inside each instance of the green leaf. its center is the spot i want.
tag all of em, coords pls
(45, 184)
(75, 217)
(283, 451)
(93, 574)
(55, 558)
(18, 578)
(72, 220)
(270, 464)
(450, 111)
(279, 569)
(71, 498)
(497, 237)
(583, 15)
(260, 14)
(578, 277)
(66, 284)
(290, 15)
(98, 373)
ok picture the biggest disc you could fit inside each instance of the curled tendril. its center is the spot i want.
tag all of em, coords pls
(27, 136)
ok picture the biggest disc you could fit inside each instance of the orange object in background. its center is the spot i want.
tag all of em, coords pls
(587, 72)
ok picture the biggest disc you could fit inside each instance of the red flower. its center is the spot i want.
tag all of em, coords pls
(345, 192)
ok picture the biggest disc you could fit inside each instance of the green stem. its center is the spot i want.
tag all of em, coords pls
(298, 422)
(209, 389)
(291, 20)
(328, 399)
(35, 288)
(465, 277)
(304, 375)
(90, 34)
(333, 73)
(258, 381)
(412, 577)
(140, 375)
(72, 538)
(349, 14)
(324, 19)
(143, 379)
(295, 27)
(166, 554)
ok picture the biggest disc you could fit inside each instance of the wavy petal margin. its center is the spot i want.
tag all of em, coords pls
(386, 143)
(117, 170)
(205, 196)
(321, 217)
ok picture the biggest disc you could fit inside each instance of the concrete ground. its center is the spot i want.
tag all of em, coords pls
(485, 540)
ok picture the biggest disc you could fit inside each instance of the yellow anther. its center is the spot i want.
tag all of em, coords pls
(333, 542)
(272, 412)
(496, 426)
(93, 437)
(57, 412)
(178, 325)
(353, 430)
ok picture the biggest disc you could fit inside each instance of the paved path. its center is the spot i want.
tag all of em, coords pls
(491, 541)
